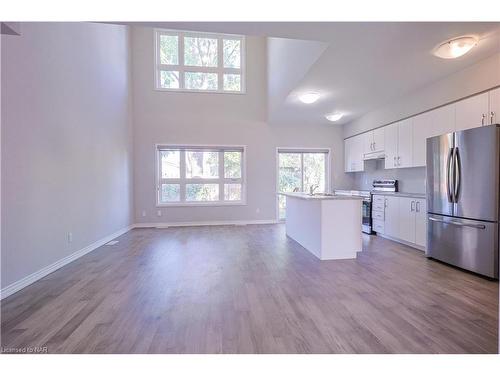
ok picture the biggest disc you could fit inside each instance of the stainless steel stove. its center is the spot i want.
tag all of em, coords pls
(378, 185)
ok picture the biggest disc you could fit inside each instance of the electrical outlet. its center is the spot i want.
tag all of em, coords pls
(70, 237)
(143, 213)
(158, 212)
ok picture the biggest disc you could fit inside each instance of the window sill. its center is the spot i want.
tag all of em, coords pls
(243, 92)
(200, 204)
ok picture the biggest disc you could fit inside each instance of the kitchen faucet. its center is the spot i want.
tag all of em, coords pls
(312, 188)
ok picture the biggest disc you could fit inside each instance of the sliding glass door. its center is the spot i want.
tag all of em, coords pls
(299, 170)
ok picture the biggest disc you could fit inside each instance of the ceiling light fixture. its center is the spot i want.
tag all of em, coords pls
(334, 116)
(309, 97)
(455, 47)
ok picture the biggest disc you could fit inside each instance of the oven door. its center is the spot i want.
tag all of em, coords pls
(367, 216)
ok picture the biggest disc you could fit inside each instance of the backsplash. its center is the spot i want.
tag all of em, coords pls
(410, 180)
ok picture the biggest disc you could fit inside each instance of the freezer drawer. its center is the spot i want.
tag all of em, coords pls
(468, 244)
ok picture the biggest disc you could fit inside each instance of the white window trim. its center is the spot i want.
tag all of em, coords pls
(279, 150)
(183, 180)
(220, 70)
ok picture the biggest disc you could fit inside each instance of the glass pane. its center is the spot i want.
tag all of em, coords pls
(232, 82)
(200, 51)
(202, 192)
(232, 164)
(169, 50)
(290, 176)
(169, 79)
(170, 193)
(232, 192)
(232, 53)
(281, 207)
(170, 164)
(202, 164)
(314, 171)
(200, 81)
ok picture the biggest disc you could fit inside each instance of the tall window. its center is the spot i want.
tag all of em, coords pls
(194, 175)
(187, 61)
(298, 170)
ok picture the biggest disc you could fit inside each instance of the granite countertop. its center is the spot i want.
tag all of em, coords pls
(319, 196)
(400, 194)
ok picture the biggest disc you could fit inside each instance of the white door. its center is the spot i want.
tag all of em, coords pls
(420, 222)
(391, 145)
(367, 142)
(405, 144)
(391, 216)
(347, 155)
(407, 219)
(472, 112)
(443, 120)
(421, 130)
(494, 115)
(378, 139)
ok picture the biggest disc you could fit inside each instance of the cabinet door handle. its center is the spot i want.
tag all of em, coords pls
(394, 161)
(482, 119)
(417, 206)
(492, 115)
(399, 160)
(412, 207)
(385, 202)
(375, 147)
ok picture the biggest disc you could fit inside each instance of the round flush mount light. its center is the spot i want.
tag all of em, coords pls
(309, 97)
(334, 116)
(456, 47)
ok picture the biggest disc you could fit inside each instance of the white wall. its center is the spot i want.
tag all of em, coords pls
(202, 118)
(66, 141)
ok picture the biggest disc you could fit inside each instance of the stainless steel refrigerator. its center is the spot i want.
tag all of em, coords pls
(463, 199)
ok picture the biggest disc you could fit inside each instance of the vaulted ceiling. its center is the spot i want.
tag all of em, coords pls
(356, 67)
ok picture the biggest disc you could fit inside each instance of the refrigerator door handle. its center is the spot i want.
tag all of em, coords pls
(449, 177)
(457, 175)
(477, 226)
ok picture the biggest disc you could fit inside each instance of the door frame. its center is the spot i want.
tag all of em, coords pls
(293, 149)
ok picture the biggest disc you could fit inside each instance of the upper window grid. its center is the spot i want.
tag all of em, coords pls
(171, 66)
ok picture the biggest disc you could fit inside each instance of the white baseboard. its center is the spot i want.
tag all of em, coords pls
(30, 279)
(203, 223)
(410, 244)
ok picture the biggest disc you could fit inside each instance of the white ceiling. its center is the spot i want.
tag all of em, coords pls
(358, 67)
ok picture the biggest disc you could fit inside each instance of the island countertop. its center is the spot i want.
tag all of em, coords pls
(320, 196)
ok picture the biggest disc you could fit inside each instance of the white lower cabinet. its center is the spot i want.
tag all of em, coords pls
(391, 216)
(404, 218)
(421, 222)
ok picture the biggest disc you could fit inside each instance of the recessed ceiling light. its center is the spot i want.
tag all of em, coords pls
(309, 97)
(456, 47)
(334, 116)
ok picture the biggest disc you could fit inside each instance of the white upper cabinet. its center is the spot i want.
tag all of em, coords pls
(391, 145)
(443, 120)
(373, 141)
(353, 154)
(398, 144)
(494, 115)
(430, 124)
(405, 143)
(378, 139)
(422, 125)
(472, 112)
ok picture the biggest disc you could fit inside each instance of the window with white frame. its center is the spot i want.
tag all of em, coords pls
(189, 61)
(200, 175)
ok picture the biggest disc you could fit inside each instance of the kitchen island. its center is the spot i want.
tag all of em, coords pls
(329, 226)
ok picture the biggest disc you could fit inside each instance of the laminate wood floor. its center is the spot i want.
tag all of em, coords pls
(250, 289)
